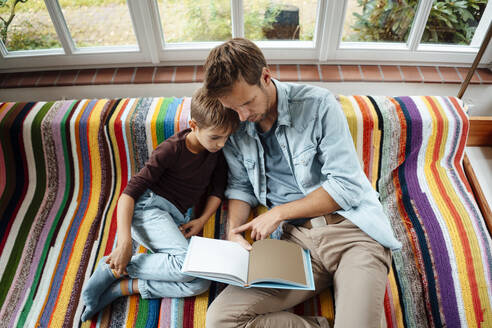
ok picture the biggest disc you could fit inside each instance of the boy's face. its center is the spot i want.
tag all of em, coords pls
(211, 138)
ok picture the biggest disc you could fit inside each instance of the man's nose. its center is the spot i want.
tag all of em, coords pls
(243, 113)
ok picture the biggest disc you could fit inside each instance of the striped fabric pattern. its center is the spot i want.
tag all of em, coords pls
(64, 164)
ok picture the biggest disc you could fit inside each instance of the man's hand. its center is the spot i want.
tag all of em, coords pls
(263, 225)
(119, 257)
(193, 227)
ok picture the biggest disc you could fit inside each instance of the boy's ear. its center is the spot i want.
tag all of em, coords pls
(192, 124)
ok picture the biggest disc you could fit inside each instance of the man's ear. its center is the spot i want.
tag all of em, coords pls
(266, 76)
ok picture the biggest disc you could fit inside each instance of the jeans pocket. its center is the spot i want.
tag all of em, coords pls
(147, 200)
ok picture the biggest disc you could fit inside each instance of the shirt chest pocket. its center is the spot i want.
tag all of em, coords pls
(249, 165)
(307, 168)
(251, 169)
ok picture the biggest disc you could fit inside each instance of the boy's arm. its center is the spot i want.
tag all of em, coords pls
(211, 206)
(218, 182)
(238, 213)
(163, 157)
(195, 226)
(120, 256)
(217, 186)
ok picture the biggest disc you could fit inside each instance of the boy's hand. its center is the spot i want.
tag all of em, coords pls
(119, 258)
(193, 227)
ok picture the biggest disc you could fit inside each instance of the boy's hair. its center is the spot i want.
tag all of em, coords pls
(209, 112)
(227, 63)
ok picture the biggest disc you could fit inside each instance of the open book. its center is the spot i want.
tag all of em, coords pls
(271, 263)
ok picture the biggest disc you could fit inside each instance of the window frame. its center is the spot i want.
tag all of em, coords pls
(326, 48)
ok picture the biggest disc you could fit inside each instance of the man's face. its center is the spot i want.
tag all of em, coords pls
(251, 102)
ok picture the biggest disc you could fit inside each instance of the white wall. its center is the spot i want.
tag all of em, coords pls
(478, 97)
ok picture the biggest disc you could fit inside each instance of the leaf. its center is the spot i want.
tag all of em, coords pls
(467, 15)
(461, 4)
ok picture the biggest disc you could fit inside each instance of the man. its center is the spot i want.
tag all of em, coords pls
(294, 154)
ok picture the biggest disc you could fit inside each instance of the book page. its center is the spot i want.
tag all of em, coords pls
(277, 260)
(207, 256)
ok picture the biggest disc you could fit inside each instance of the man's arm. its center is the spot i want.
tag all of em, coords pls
(316, 203)
(240, 193)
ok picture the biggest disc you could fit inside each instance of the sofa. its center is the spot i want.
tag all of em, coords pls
(63, 165)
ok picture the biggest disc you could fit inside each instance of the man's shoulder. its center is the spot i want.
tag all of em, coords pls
(308, 102)
(299, 92)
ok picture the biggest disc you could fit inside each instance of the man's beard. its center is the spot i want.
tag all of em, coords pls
(268, 112)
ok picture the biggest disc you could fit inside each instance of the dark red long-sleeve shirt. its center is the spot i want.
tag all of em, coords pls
(179, 175)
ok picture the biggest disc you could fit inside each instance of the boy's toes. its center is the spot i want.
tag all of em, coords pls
(88, 313)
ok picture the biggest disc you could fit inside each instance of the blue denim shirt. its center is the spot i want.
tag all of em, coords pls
(314, 136)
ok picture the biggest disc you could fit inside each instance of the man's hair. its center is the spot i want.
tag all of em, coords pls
(227, 63)
(209, 112)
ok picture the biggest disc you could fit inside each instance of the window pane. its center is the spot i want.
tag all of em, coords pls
(31, 27)
(280, 20)
(196, 20)
(453, 22)
(94, 23)
(378, 20)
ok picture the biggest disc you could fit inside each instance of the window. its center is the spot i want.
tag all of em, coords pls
(98, 23)
(279, 20)
(27, 26)
(65, 33)
(195, 21)
(453, 22)
(378, 21)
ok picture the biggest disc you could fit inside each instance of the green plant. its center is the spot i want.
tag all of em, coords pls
(8, 9)
(31, 38)
(450, 21)
(259, 17)
(211, 20)
(208, 20)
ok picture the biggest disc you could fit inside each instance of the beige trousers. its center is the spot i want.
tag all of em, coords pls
(342, 256)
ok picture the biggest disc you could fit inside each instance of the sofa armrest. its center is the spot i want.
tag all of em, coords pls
(480, 135)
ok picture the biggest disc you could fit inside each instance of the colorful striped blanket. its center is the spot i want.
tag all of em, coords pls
(64, 164)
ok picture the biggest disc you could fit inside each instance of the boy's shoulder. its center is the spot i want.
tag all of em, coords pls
(179, 136)
(173, 143)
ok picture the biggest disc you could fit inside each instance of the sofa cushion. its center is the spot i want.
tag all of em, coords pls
(64, 164)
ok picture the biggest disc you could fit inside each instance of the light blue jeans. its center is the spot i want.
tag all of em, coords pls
(155, 226)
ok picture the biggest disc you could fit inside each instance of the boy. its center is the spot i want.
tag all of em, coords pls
(151, 211)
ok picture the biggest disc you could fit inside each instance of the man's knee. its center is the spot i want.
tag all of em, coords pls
(213, 317)
(220, 315)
